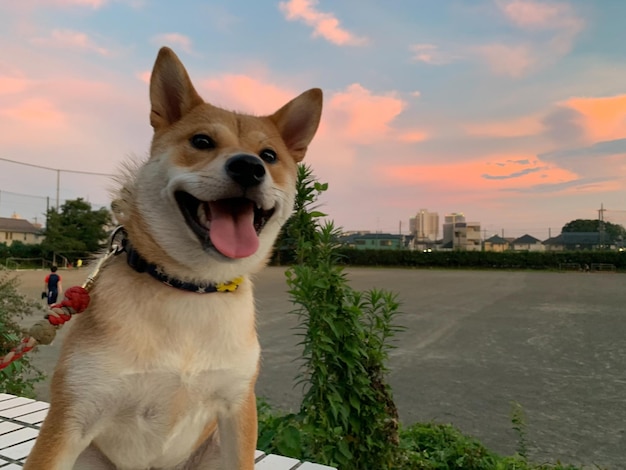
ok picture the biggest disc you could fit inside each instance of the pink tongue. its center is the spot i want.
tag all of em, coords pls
(232, 227)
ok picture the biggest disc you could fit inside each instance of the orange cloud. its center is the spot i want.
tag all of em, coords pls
(323, 24)
(511, 172)
(519, 127)
(604, 118)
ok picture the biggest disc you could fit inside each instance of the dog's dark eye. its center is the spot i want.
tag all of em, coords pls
(268, 156)
(202, 142)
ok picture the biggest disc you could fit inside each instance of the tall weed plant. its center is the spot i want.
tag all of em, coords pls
(348, 417)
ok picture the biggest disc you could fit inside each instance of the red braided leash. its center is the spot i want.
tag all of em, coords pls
(76, 300)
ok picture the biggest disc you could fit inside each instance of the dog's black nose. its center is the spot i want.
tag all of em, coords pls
(246, 170)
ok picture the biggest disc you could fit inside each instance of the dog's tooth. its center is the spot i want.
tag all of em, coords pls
(202, 215)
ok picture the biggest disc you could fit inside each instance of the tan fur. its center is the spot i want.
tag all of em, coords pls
(152, 377)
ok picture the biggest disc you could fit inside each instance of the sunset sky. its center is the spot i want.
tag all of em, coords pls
(512, 112)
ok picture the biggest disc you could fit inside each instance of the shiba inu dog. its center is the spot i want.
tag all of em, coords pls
(159, 371)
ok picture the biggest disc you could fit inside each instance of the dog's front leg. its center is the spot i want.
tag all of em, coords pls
(238, 435)
(58, 444)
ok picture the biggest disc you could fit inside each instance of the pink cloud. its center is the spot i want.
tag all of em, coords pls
(13, 85)
(243, 93)
(144, 76)
(508, 60)
(27, 6)
(173, 40)
(95, 4)
(65, 38)
(83, 3)
(324, 24)
(429, 54)
(559, 18)
(361, 116)
(412, 136)
(353, 115)
(529, 14)
(37, 111)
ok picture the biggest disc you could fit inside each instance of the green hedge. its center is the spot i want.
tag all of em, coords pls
(471, 259)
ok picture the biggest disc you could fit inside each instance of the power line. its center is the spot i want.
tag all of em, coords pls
(58, 171)
(81, 172)
(2, 191)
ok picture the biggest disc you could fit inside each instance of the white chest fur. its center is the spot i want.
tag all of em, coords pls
(165, 365)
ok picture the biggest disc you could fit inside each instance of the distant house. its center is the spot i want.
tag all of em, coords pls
(14, 229)
(374, 241)
(527, 243)
(496, 243)
(573, 241)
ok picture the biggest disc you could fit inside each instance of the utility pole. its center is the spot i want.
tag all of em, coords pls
(58, 187)
(601, 224)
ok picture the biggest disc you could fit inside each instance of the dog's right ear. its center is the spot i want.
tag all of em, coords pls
(172, 94)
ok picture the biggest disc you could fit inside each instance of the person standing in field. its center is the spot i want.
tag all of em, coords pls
(53, 285)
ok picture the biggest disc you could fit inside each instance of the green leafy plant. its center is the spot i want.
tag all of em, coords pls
(347, 417)
(20, 376)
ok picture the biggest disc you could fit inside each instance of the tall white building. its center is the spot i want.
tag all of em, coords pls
(425, 226)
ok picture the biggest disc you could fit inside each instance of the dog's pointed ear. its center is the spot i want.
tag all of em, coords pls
(298, 120)
(172, 94)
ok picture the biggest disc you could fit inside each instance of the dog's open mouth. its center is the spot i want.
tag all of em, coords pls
(230, 226)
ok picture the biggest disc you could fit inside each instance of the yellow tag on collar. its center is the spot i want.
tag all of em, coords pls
(229, 286)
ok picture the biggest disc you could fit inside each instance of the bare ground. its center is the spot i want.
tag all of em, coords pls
(475, 342)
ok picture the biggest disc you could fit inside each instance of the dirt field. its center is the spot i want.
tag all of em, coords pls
(475, 342)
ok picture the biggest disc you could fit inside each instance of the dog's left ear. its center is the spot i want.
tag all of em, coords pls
(172, 94)
(298, 120)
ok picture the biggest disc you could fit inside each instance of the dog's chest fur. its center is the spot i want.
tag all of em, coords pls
(173, 362)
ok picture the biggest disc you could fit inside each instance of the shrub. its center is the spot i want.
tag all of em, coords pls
(19, 377)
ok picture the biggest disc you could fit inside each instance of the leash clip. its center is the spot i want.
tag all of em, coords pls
(117, 243)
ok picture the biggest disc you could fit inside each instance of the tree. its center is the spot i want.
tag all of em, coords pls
(615, 231)
(76, 228)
